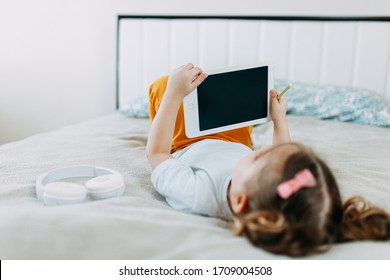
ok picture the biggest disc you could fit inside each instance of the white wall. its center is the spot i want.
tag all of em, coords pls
(56, 65)
(57, 58)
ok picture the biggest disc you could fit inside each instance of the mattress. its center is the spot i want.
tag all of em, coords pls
(140, 224)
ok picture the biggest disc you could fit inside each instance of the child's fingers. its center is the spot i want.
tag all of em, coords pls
(274, 97)
(199, 79)
(273, 93)
(188, 66)
(195, 71)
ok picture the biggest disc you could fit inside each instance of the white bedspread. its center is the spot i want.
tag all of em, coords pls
(140, 225)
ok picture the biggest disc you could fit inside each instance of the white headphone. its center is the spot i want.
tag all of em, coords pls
(106, 183)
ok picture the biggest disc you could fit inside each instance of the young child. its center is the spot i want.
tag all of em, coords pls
(283, 198)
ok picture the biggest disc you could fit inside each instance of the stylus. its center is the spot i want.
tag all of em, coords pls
(284, 91)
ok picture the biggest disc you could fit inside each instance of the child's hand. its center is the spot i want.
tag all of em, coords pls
(184, 80)
(277, 107)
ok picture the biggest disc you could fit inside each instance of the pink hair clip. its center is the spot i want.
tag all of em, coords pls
(303, 179)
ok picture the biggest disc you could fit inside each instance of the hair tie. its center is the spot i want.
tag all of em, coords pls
(303, 179)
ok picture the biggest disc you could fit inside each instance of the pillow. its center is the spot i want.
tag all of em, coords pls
(137, 107)
(338, 103)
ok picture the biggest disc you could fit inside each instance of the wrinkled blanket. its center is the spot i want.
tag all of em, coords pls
(139, 224)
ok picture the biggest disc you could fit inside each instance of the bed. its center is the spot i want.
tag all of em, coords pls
(352, 134)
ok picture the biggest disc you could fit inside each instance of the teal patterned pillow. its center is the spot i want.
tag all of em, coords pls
(339, 103)
(137, 107)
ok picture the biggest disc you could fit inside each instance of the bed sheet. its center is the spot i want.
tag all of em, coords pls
(139, 224)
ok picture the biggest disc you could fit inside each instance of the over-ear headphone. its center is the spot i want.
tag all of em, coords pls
(106, 183)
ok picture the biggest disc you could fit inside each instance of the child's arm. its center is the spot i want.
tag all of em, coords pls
(278, 113)
(181, 82)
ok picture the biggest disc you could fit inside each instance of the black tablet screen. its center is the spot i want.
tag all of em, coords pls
(233, 97)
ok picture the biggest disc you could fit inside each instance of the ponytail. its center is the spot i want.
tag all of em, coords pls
(271, 231)
(362, 221)
(260, 222)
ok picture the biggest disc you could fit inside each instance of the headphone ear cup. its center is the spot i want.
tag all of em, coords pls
(105, 186)
(60, 193)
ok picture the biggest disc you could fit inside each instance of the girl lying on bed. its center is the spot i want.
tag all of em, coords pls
(283, 198)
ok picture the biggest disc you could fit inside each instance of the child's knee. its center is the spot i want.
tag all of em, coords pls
(157, 88)
(156, 92)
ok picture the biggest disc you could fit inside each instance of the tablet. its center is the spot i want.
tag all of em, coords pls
(229, 98)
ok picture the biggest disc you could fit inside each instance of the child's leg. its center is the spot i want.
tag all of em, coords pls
(180, 140)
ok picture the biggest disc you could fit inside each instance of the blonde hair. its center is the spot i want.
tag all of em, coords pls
(310, 220)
